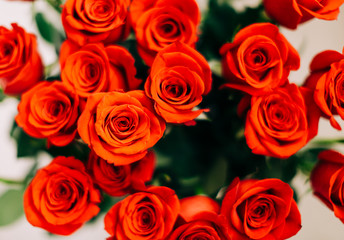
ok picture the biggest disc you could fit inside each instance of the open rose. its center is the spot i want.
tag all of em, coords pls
(120, 180)
(91, 21)
(293, 12)
(61, 197)
(282, 122)
(49, 110)
(178, 80)
(200, 220)
(120, 127)
(327, 81)
(258, 60)
(327, 179)
(95, 68)
(260, 209)
(20, 64)
(158, 23)
(146, 215)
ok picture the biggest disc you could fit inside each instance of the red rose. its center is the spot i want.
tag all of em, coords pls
(290, 13)
(282, 122)
(120, 127)
(178, 80)
(61, 197)
(49, 110)
(260, 209)
(327, 179)
(120, 180)
(92, 21)
(200, 220)
(327, 80)
(158, 23)
(20, 64)
(95, 68)
(149, 214)
(258, 60)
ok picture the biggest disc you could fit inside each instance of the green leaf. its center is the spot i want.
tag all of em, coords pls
(48, 31)
(2, 95)
(11, 206)
(216, 177)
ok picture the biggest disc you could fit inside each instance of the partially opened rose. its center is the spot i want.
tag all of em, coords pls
(95, 68)
(149, 214)
(20, 64)
(200, 220)
(120, 180)
(158, 23)
(91, 21)
(291, 13)
(258, 60)
(61, 197)
(120, 127)
(260, 209)
(327, 179)
(179, 78)
(49, 110)
(282, 122)
(327, 81)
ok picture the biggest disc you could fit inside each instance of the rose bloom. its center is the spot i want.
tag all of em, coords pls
(91, 21)
(258, 60)
(95, 68)
(120, 180)
(49, 110)
(291, 13)
(260, 209)
(200, 219)
(149, 214)
(179, 78)
(327, 180)
(20, 64)
(282, 122)
(120, 127)
(327, 81)
(61, 197)
(158, 23)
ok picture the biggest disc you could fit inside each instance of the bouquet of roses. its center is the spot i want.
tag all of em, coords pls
(175, 124)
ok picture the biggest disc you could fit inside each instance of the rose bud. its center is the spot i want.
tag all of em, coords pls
(61, 197)
(327, 180)
(149, 214)
(20, 64)
(159, 23)
(292, 13)
(120, 127)
(260, 209)
(258, 60)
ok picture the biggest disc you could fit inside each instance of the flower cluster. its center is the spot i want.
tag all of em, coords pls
(135, 89)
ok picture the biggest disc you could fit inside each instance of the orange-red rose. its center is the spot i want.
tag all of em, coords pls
(20, 64)
(258, 60)
(327, 179)
(327, 81)
(61, 197)
(158, 23)
(95, 68)
(91, 21)
(178, 80)
(200, 220)
(282, 122)
(260, 209)
(290, 13)
(49, 110)
(120, 180)
(149, 214)
(120, 127)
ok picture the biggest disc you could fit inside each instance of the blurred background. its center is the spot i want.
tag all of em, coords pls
(318, 221)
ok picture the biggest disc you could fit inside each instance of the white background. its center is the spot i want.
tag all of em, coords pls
(319, 223)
